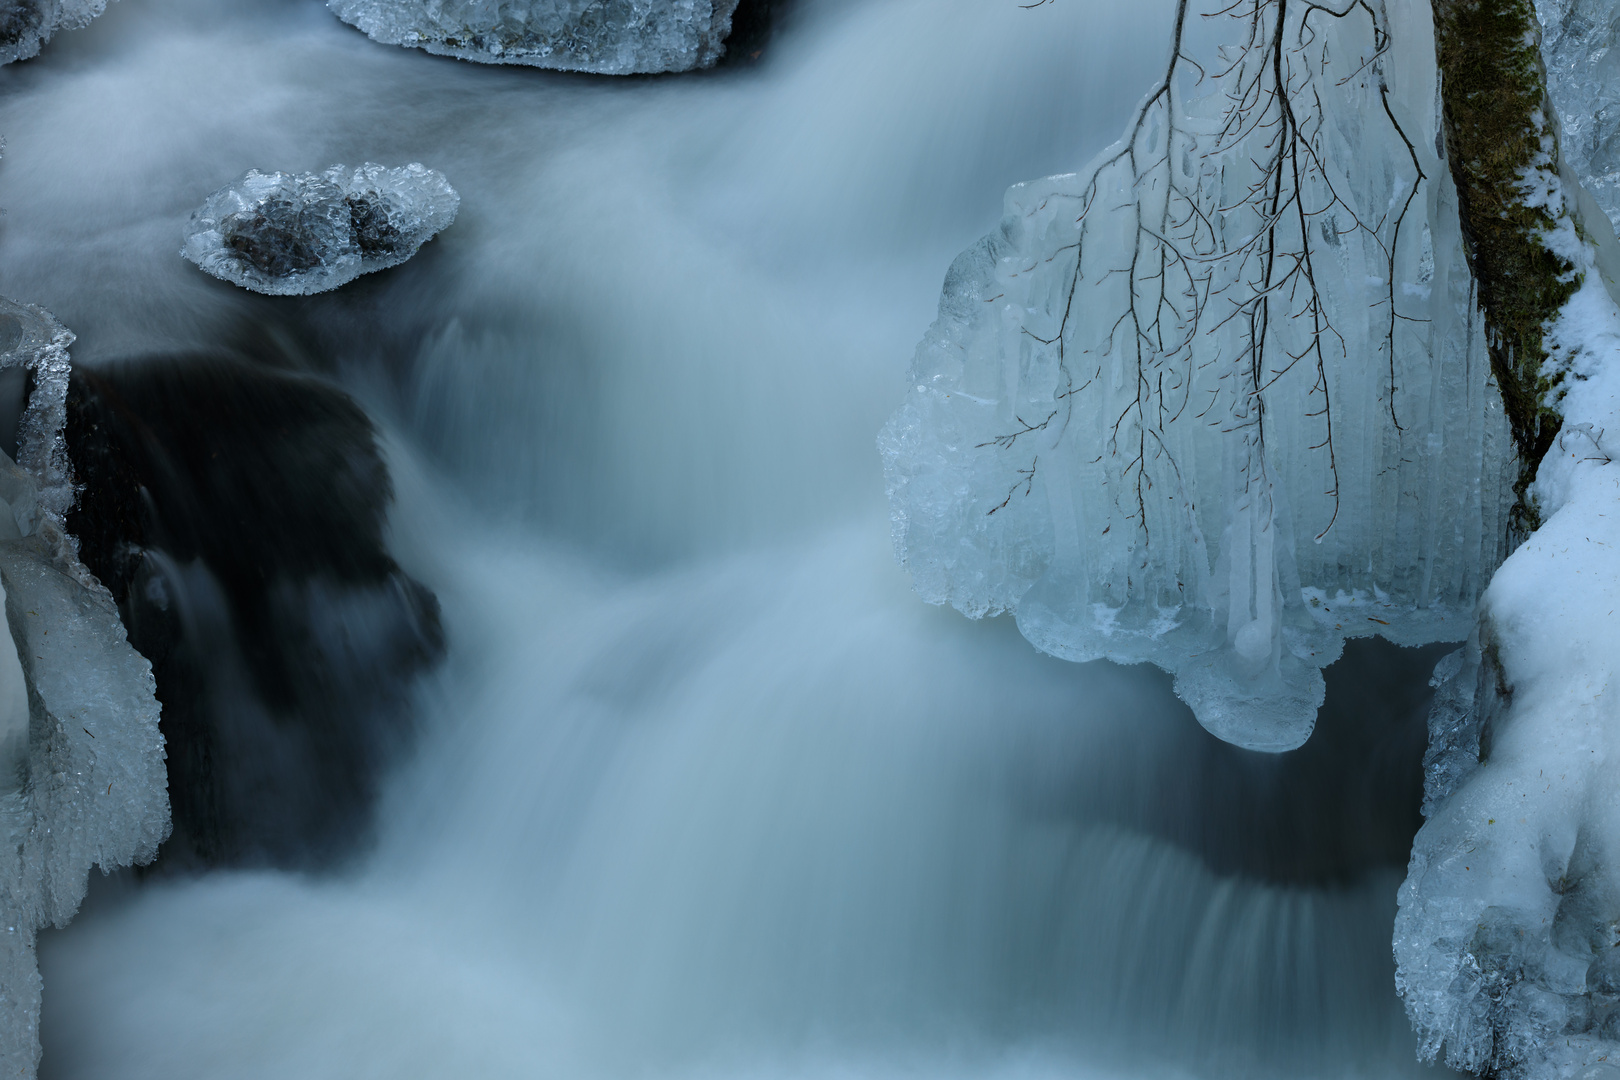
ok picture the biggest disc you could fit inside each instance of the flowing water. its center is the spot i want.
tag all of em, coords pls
(702, 790)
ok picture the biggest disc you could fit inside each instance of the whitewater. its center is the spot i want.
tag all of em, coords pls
(703, 789)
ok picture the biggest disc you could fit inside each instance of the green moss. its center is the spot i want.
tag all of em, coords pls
(1494, 90)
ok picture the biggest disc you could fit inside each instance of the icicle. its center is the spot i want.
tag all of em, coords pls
(1230, 325)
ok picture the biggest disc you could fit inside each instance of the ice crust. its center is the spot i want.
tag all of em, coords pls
(26, 25)
(1583, 80)
(296, 233)
(607, 37)
(82, 778)
(1013, 468)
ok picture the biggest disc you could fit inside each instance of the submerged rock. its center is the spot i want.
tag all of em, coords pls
(81, 756)
(607, 37)
(26, 25)
(297, 233)
(236, 512)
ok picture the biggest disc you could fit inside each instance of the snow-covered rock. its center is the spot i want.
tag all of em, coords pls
(1508, 938)
(26, 25)
(607, 37)
(1091, 440)
(297, 233)
(81, 759)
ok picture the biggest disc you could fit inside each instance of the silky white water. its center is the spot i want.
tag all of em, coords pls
(703, 790)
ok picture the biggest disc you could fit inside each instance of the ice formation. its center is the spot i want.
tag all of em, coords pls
(26, 25)
(1583, 80)
(607, 37)
(81, 760)
(1222, 399)
(296, 233)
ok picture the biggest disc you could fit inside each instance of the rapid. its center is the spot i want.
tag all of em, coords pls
(702, 790)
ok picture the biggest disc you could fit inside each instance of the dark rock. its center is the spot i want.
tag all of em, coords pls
(236, 513)
(271, 238)
(753, 25)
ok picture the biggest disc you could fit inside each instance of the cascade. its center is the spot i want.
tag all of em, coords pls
(674, 775)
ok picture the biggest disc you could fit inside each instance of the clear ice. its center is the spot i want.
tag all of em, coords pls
(291, 234)
(82, 778)
(1092, 440)
(607, 37)
(1583, 80)
(26, 25)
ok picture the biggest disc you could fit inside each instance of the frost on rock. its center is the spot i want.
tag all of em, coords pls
(26, 25)
(1583, 80)
(1507, 942)
(1221, 400)
(82, 777)
(296, 233)
(607, 37)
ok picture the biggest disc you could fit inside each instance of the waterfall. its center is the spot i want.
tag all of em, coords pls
(701, 789)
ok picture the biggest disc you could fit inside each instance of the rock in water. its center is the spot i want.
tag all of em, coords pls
(237, 512)
(606, 37)
(81, 757)
(26, 25)
(292, 234)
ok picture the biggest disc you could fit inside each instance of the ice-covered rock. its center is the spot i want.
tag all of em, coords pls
(1583, 80)
(81, 759)
(1217, 409)
(26, 25)
(607, 37)
(297, 233)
